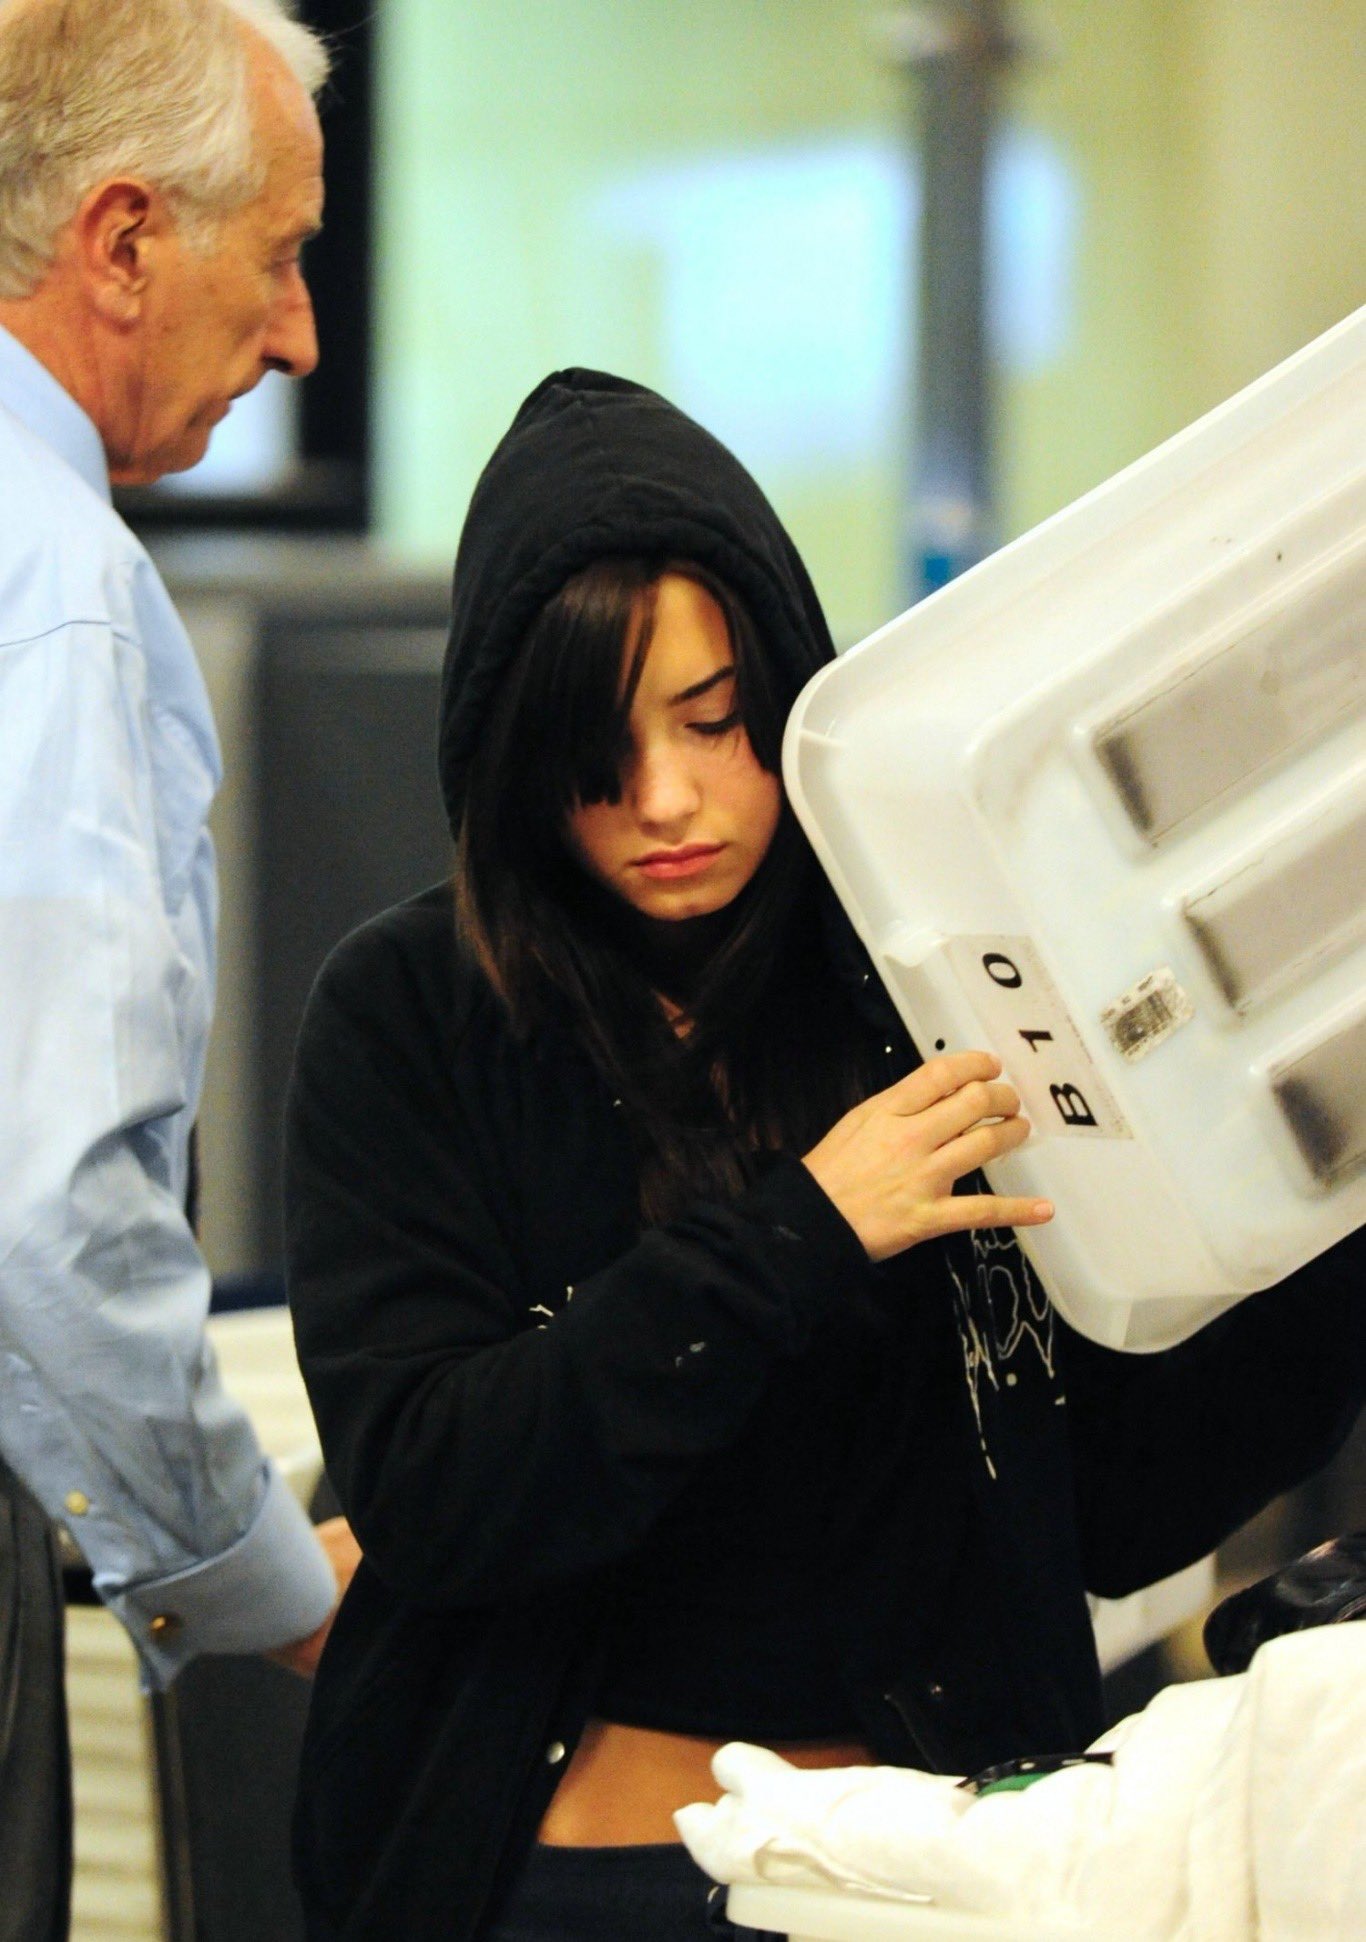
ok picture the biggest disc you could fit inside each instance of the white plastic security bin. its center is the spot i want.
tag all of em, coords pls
(1100, 805)
(812, 1915)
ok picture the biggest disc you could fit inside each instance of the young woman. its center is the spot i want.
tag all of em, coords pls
(673, 1391)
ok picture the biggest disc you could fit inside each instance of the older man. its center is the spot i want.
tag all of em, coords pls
(160, 171)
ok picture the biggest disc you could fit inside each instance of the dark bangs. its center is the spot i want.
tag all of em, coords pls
(558, 728)
(575, 679)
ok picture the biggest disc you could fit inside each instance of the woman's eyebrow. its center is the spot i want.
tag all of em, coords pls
(700, 688)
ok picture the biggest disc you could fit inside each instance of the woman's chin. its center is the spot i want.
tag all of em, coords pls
(676, 905)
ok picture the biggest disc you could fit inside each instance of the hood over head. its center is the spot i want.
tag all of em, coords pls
(594, 465)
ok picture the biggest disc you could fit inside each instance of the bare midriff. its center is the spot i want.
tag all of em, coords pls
(625, 1783)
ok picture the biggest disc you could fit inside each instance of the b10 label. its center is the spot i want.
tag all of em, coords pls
(1031, 1031)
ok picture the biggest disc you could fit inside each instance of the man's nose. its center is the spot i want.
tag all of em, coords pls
(292, 343)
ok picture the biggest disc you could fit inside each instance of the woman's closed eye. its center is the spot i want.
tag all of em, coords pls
(721, 726)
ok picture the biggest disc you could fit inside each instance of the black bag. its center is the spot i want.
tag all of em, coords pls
(1325, 1587)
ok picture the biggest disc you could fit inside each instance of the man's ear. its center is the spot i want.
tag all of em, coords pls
(117, 232)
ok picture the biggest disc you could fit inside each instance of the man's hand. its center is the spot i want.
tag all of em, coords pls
(343, 1554)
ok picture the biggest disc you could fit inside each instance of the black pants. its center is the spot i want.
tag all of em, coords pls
(35, 1761)
(639, 1894)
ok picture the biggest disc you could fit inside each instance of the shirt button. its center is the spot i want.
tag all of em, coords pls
(76, 1502)
(165, 1626)
(554, 1753)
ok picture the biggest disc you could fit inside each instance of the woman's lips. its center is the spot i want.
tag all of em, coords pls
(664, 865)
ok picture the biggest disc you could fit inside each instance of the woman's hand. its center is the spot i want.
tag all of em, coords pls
(890, 1164)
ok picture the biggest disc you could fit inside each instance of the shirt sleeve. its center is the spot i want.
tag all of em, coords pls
(111, 1408)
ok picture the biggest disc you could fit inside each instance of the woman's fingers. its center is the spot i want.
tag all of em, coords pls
(979, 1099)
(979, 1146)
(963, 1211)
(938, 1079)
(890, 1165)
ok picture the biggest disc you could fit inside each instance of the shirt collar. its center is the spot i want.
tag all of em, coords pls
(29, 390)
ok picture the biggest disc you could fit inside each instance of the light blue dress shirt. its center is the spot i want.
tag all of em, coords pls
(110, 1405)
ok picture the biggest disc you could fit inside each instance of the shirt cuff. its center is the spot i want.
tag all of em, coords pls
(275, 1585)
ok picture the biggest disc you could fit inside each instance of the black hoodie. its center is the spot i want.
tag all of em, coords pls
(591, 465)
(513, 1384)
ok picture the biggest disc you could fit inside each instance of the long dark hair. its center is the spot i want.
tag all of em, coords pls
(772, 1051)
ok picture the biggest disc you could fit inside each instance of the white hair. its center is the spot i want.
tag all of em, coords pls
(160, 89)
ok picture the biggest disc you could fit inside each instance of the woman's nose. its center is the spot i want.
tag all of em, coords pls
(663, 788)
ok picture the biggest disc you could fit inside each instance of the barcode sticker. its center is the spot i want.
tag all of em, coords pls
(1147, 1014)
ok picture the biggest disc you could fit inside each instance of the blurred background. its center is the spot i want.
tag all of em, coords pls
(932, 270)
(724, 199)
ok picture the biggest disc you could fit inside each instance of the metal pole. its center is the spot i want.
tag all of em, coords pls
(955, 51)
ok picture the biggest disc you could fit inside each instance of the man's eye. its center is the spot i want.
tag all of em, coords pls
(721, 727)
(292, 256)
